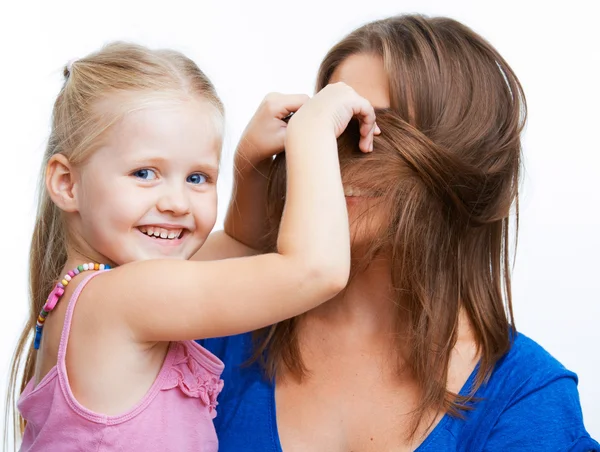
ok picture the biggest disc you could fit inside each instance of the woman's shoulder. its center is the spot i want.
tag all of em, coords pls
(235, 352)
(528, 372)
(232, 350)
(529, 402)
(530, 363)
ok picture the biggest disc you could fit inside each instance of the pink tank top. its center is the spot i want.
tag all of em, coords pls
(175, 414)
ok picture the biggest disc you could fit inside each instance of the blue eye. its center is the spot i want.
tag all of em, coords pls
(196, 179)
(145, 173)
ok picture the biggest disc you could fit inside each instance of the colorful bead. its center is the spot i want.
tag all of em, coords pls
(56, 294)
(53, 298)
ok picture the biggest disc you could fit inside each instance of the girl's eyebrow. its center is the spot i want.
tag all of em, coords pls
(158, 161)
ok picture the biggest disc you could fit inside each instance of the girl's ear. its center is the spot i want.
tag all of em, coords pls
(60, 182)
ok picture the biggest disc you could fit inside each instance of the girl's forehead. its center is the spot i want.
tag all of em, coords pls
(181, 130)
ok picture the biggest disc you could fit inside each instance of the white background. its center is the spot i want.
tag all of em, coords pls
(249, 48)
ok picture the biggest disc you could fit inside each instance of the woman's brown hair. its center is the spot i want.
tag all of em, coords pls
(446, 169)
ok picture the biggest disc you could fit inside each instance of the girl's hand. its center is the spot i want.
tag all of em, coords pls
(333, 108)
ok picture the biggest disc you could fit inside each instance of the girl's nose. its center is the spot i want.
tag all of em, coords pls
(174, 199)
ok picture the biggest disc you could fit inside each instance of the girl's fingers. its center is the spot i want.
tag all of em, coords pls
(365, 113)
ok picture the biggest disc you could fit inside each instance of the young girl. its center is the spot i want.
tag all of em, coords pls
(130, 182)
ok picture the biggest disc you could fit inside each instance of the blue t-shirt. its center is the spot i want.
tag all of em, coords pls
(530, 403)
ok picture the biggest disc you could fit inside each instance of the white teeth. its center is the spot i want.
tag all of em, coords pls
(161, 232)
(352, 191)
(357, 192)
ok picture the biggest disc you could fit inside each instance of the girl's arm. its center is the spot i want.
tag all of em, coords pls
(173, 300)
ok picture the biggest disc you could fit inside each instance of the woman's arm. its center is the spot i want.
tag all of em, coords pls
(245, 221)
(219, 245)
(263, 138)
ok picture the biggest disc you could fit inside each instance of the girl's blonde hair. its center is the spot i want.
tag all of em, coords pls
(77, 125)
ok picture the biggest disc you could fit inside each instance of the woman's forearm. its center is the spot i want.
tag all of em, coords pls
(247, 212)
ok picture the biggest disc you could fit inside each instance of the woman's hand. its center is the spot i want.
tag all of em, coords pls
(263, 138)
(265, 134)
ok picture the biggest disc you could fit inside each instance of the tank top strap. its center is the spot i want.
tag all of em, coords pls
(64, 337)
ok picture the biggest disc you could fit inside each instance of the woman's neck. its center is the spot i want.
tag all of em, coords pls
(366, 304)
(368, 307)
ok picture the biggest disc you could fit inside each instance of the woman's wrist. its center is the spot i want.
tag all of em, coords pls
(245, 165)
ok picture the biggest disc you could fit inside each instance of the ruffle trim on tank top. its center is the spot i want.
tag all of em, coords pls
(193, 371)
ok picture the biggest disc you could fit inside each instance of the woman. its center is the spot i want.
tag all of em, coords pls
(419, 352)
